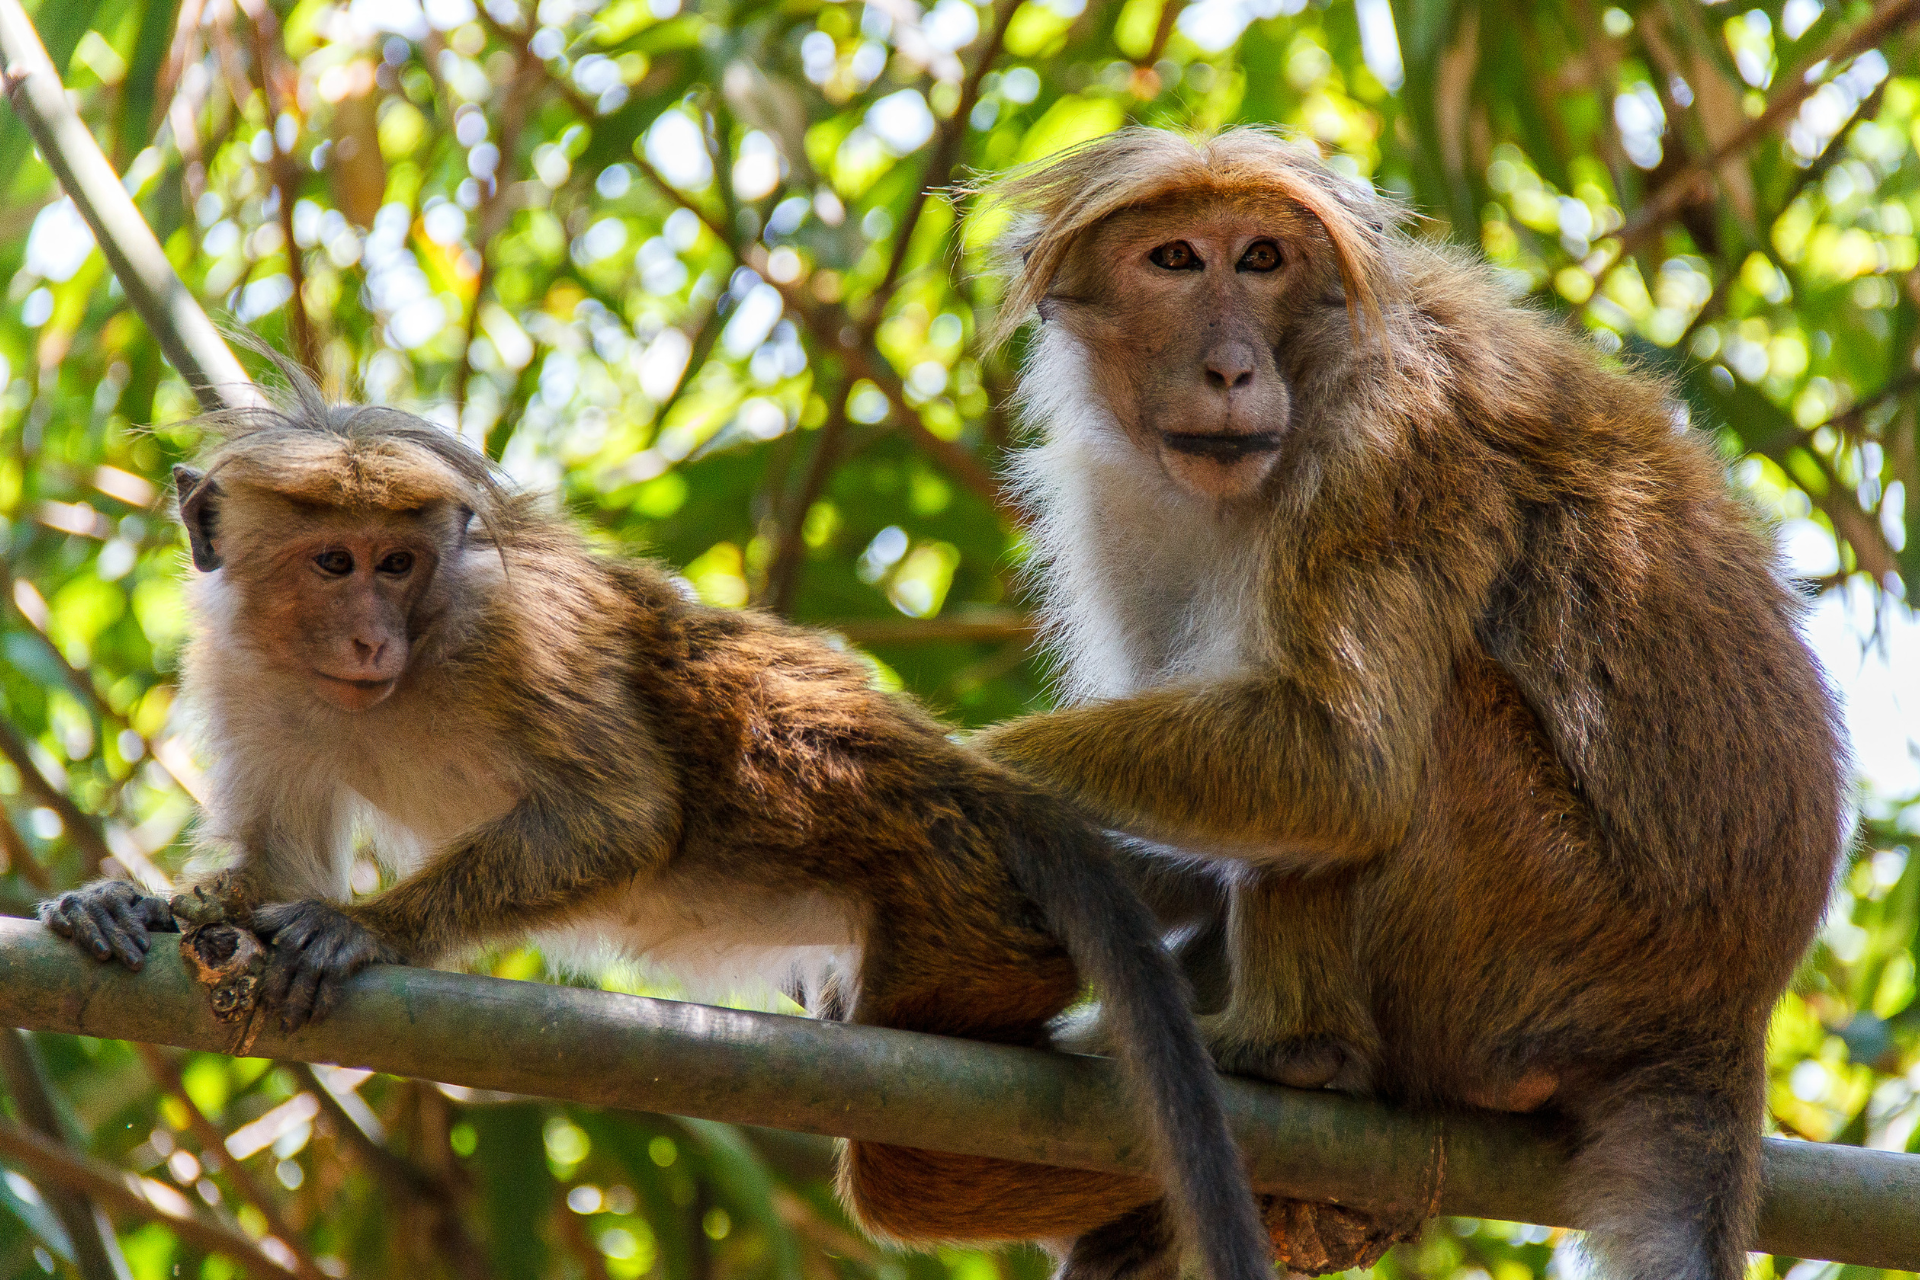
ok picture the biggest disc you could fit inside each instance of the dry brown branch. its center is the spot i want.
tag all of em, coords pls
(982, 626)
(783, 574)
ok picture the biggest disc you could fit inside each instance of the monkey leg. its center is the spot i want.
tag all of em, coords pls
(1295, 1010)
(110, 920)
(1296, 1016)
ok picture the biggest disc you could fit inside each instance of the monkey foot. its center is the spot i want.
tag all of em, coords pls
(315, 950)
(1319, 1239)
(110, 920)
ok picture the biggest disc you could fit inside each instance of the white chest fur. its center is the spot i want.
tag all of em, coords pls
(1141, 583)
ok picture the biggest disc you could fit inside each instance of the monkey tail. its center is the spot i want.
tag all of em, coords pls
(1065, 866)
(1667, 1177)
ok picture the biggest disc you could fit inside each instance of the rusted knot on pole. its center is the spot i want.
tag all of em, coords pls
(224, 957)
(1316, 1238)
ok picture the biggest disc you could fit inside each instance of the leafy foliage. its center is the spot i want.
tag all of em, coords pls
(687, 263)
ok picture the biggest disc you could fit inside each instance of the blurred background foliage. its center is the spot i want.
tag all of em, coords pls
(689, 263)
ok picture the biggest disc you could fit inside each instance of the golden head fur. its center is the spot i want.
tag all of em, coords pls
(1058, 198)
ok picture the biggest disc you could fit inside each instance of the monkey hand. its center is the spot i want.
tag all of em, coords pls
(316, 948)
(109, 919)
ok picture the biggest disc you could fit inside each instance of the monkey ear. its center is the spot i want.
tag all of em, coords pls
(199, 511)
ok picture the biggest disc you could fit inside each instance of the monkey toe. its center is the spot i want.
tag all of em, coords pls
(1135, 1246)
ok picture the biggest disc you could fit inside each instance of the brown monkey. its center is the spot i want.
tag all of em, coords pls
(390, 643)
(1434, 630)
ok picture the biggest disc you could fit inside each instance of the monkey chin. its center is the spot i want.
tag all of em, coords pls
(352, 695)
(1223, 465)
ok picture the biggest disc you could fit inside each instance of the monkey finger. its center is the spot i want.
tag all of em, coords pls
(54, 915)
(327, 998)
(127, 934)
(156, 913)
(298, 1009)
(89, 932)
(279, 977)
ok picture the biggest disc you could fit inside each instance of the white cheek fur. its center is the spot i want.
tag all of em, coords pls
(1141, 582)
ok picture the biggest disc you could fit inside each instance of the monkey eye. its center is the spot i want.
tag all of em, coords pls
(335, 563)
(1178, 256)
(1261, 255)
(396, 564)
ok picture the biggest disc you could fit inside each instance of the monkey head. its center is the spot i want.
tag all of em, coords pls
(332, 543)
(1197, 283)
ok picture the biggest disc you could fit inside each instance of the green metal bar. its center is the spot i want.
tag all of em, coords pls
(596, 1047)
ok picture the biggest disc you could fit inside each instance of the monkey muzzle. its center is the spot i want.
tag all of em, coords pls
(1226, 447)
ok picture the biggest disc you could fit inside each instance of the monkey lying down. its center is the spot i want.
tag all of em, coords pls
(567, 745)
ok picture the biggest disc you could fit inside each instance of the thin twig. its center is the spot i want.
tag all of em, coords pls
(96, 1252)
(269, 59)
(137, 1197)
(166, 1072)
(491, 216)
(403, 1178)
(80, 827)
(20, 857)
(982, 626)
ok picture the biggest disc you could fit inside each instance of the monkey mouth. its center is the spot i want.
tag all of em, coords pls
(355, 695)
(1222, 446)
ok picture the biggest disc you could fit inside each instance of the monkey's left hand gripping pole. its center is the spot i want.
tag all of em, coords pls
(909, 1089)
(186, 336)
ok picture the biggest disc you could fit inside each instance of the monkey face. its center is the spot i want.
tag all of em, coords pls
(335, 598)
(1185, 308)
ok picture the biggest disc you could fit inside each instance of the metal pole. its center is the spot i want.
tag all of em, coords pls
(596, 1047)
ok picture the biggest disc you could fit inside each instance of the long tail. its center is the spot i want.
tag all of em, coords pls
(1064, 865)
(1667, 1178)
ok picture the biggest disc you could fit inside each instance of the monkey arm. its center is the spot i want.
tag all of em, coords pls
(1233, 767)
(530, 866)
(534, 863)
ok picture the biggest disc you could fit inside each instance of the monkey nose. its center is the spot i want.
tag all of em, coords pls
(1229, 370)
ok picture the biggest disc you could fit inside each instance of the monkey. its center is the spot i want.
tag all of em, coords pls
(1441, 646)
(390, 640)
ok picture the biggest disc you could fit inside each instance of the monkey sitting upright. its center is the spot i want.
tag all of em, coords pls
(557, 743)
(1428, 627)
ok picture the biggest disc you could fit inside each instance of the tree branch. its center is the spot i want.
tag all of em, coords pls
(137, 1197)
(186, 337)
(1674, 194)
(880, 1085)
(96, 1252)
